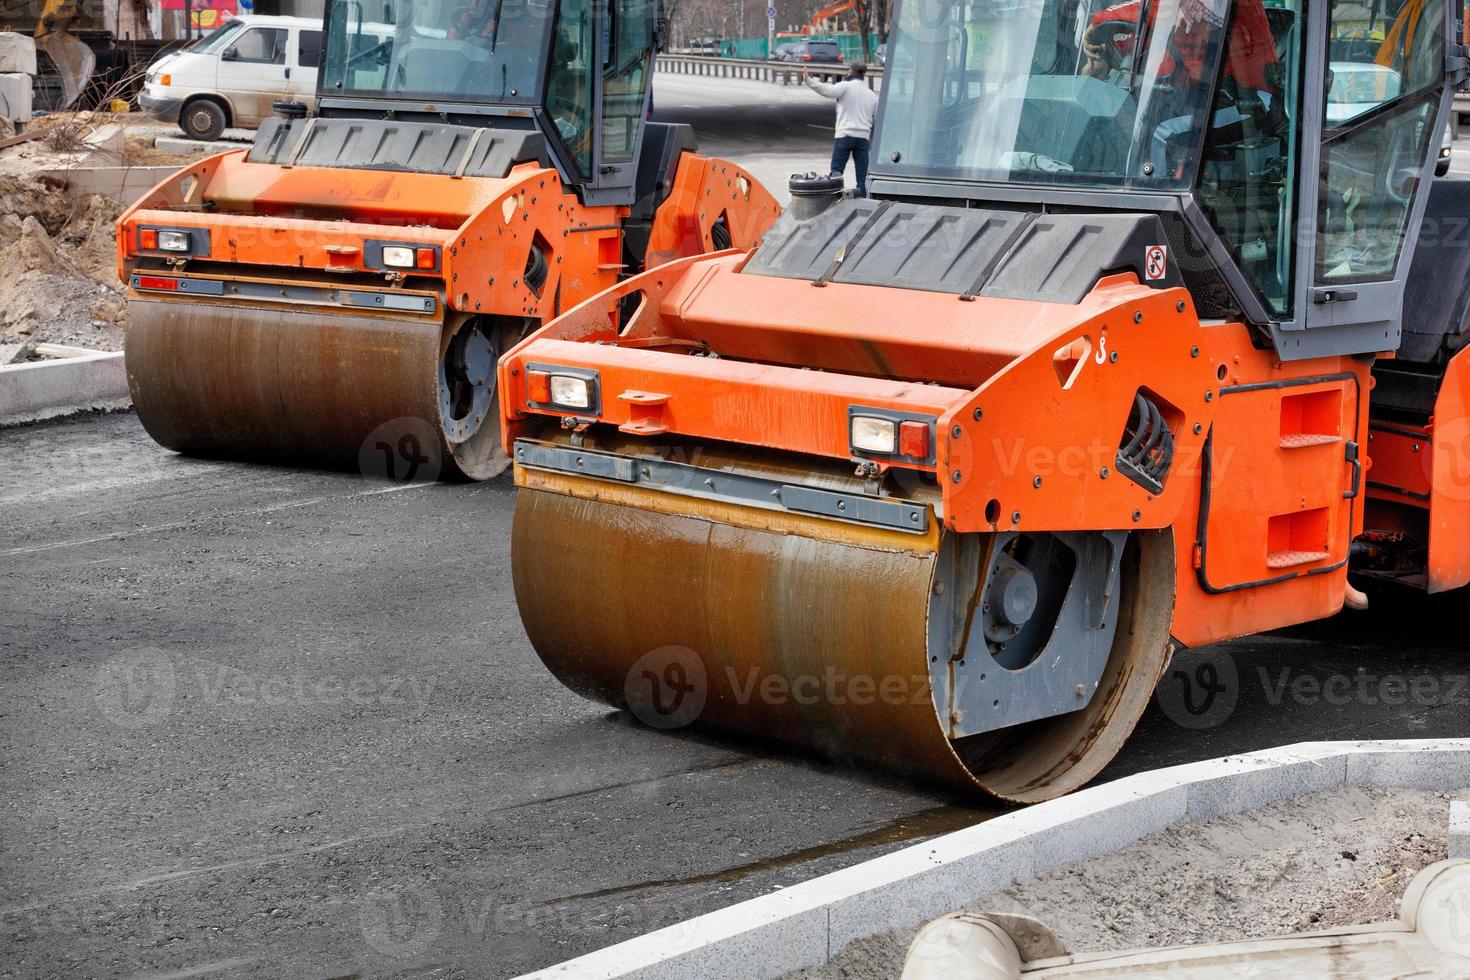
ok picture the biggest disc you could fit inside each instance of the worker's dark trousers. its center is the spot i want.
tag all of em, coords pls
(857, 149)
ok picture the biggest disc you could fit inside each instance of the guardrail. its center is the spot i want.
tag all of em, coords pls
(777, 72)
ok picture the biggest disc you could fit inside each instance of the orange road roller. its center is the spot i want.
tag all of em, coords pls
(1150, 334)
(466, 174)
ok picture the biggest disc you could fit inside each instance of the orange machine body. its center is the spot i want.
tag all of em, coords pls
(315, 223)
(1267, 492)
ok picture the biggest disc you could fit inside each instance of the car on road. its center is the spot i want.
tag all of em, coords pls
(1446, 152)
(1358, 88)
(811, 52)
(233, 76)
(713, 47)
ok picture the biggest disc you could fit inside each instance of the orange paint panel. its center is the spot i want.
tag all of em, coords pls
(705, 190)
(749, 404)
(1399, 467)
(1278, 484)
(1038, 444)
(1449, 505)
(249, 240)
(863, 329)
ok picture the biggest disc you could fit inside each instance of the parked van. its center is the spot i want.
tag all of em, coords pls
(231, 77)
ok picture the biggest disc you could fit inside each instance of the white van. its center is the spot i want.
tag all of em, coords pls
(231, 77)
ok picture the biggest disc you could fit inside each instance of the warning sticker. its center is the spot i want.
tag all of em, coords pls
(1156, 263)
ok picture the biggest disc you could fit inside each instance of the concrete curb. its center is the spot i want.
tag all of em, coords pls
(807, 924)
(183, 146)
(46, 389)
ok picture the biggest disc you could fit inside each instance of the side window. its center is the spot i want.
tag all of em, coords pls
(626, 72)
(1386, 70)
(569, 95)
(260, 45)
(311, 49)
(1248, 180)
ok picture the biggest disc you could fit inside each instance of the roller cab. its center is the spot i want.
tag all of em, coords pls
(936, 482)
(348, 283)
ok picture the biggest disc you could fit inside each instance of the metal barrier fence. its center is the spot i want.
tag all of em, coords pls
(777, 72)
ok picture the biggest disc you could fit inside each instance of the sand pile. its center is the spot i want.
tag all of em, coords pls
(59, 282)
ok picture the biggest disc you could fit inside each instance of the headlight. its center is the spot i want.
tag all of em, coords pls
(874, 435)
(398, 257)
(174, 241)
(568, 389)
(570, 392)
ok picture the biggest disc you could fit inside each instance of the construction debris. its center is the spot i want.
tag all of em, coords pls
(61, 282)
(57, 239)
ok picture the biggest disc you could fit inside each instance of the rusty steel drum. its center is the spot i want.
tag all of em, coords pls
(810, 632)
(294, 385)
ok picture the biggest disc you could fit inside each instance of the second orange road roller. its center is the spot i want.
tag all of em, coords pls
(1151, 334)
(345, 287)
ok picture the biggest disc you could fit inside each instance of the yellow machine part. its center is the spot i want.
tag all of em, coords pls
(810, 632)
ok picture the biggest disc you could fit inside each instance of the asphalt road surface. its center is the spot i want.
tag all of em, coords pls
(263, 722)
(773, 131)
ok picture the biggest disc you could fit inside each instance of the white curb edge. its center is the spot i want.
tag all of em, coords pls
(45, 389)
(807, 924)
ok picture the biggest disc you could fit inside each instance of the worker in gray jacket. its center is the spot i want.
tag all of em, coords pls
(857, 105)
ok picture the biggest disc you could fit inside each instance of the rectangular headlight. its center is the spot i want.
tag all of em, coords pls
(875, 435)
(570, 392)
(398, 257)
(174, 241)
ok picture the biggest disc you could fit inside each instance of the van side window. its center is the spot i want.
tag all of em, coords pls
(262, 46)
(311, 49)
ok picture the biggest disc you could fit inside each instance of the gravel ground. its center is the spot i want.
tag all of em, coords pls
(1313, 862)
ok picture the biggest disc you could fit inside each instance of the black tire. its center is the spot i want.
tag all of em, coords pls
(203, 119)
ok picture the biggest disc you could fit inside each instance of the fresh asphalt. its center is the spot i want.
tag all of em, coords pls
(267, 722)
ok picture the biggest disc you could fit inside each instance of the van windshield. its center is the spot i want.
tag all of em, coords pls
(475, 51)
(217, 39)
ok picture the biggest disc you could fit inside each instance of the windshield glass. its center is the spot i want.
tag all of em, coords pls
(216, 39)
(1057, 91)
(476, 51)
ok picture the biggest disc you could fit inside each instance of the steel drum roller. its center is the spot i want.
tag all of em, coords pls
(235, 381)
(608, 576)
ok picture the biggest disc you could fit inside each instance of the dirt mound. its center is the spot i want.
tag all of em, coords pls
(1336, 858)
(58, 254)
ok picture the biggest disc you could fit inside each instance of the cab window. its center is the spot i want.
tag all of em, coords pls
(260, 46)
(569, 97)
(1386, 67)
(626, 70)
(1248, 176)
(311, 49)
